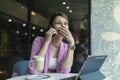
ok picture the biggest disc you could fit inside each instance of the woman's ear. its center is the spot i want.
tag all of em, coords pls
(48, 27)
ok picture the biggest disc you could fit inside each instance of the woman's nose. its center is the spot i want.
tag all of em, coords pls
(62, 25)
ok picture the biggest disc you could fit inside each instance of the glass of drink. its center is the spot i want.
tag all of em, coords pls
(39, 66)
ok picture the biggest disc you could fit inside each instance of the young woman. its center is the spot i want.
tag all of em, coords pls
(56, 54)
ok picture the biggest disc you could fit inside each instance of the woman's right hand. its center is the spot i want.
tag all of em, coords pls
(49, 33)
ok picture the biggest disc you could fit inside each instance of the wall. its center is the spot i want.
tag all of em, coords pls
(105, 34)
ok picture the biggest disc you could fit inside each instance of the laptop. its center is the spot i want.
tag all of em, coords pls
(91, 69)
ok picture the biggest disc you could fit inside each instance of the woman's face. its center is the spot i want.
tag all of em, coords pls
(60, 22)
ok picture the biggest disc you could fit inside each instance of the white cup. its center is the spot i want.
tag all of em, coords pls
(39, 63)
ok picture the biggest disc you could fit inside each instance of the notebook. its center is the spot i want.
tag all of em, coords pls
(91, 69)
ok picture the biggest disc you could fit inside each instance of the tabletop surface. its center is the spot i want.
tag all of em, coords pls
(53, 76)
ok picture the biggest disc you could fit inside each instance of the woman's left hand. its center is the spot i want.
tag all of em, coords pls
(66, 33)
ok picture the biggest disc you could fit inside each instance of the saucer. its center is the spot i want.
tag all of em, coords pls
(38, 77)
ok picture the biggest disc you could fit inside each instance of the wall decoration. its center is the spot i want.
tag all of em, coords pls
(105, 35)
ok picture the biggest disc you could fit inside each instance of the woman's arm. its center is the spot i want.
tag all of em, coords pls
(36, 46)
(47, 40)
(39, 48)
(37, 43)
(68, 60)
(43, 49)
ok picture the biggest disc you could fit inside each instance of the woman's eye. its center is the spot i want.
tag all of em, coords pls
(65, 23)
(58, 23)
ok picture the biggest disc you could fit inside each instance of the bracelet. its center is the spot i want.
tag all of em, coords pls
(71, 47)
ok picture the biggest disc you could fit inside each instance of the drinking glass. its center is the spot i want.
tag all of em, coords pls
(39, 66)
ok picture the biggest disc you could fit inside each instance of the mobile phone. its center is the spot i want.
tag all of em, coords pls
(53, 36)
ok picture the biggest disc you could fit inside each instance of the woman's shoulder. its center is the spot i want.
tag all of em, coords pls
(39, 38)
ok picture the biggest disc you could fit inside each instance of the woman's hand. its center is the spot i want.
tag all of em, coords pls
(49, 33)
(66, 33)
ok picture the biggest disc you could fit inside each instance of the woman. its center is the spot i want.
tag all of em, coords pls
(57, 55)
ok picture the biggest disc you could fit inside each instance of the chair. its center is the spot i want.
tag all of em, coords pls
(19, 68)
(76, 66)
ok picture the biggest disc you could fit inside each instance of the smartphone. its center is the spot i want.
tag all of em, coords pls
(53, 36)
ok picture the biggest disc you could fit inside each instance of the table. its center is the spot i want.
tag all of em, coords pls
(53, 76)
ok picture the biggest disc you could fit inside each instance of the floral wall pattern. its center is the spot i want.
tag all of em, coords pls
(105, 35)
